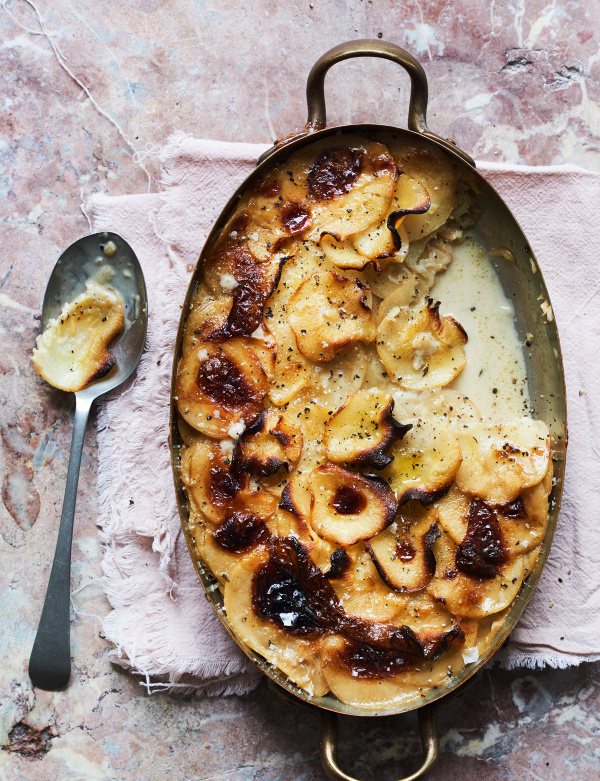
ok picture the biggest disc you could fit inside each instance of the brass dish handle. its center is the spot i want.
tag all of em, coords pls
(315, 93)
(429, 741)
(417, 111)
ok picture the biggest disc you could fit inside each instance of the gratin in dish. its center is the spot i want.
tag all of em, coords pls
(369, 529)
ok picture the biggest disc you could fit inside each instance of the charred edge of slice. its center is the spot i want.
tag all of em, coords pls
(379, 457)
(339, 564)
(425, 497)
(287, 503)
(393, 218)
(429, 539)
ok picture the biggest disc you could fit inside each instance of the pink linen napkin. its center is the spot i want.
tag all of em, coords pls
(161, 624)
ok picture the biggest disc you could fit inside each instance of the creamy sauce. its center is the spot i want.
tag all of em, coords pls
(471, 292)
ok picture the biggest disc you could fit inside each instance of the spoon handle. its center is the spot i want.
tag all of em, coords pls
(50, 660)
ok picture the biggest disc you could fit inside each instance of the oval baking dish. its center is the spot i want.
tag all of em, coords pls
(520, 278)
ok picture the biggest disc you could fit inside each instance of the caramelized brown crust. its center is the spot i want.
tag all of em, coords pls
(347, 507)
(219, 386)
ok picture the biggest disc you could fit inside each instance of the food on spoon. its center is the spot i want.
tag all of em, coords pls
(73, 350)
(368, 526)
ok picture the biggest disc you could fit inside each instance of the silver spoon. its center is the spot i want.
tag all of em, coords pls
(50, 661)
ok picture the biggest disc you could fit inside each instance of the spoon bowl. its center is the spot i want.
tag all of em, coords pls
(84, 259)
(108, 256)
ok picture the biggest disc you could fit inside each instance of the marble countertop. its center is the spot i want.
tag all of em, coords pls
(89, 92)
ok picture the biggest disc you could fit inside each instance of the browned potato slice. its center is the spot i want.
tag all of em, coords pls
(220, 547)
(530, 560)
(468, 596)
(372, 679)
(294, 510)
(188, 434)
(350, 184)
(231, 271)
(347, 507)
(204, 321)
(535, 499)
(311, 416)
(386, 281)
(361, 432)
(453, 513)
(408, 291)
(272, 442)
(500, 461)
(292, 519)
(421, 349)
(437, 173)
(296, 656)
(73, 350)
(264, 346)
(292, 372)
(424, 463)
(216, 485)
(220, 389)
(278, 210)
(403, 553)
(383, 242)
(522, 522)
(360, 588)
(328, 312)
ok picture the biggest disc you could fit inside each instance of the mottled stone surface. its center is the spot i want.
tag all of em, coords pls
(85, 109)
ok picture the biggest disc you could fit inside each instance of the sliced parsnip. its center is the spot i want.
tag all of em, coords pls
(501, 461)
(436, 171)
(469, 596)
(421, 349)
(425, 462)
(216, 485)
(295, 656)
(361, 432)
(220, 388)
(274, 441)
(403, 553)
(328, 312)
(347, 507)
